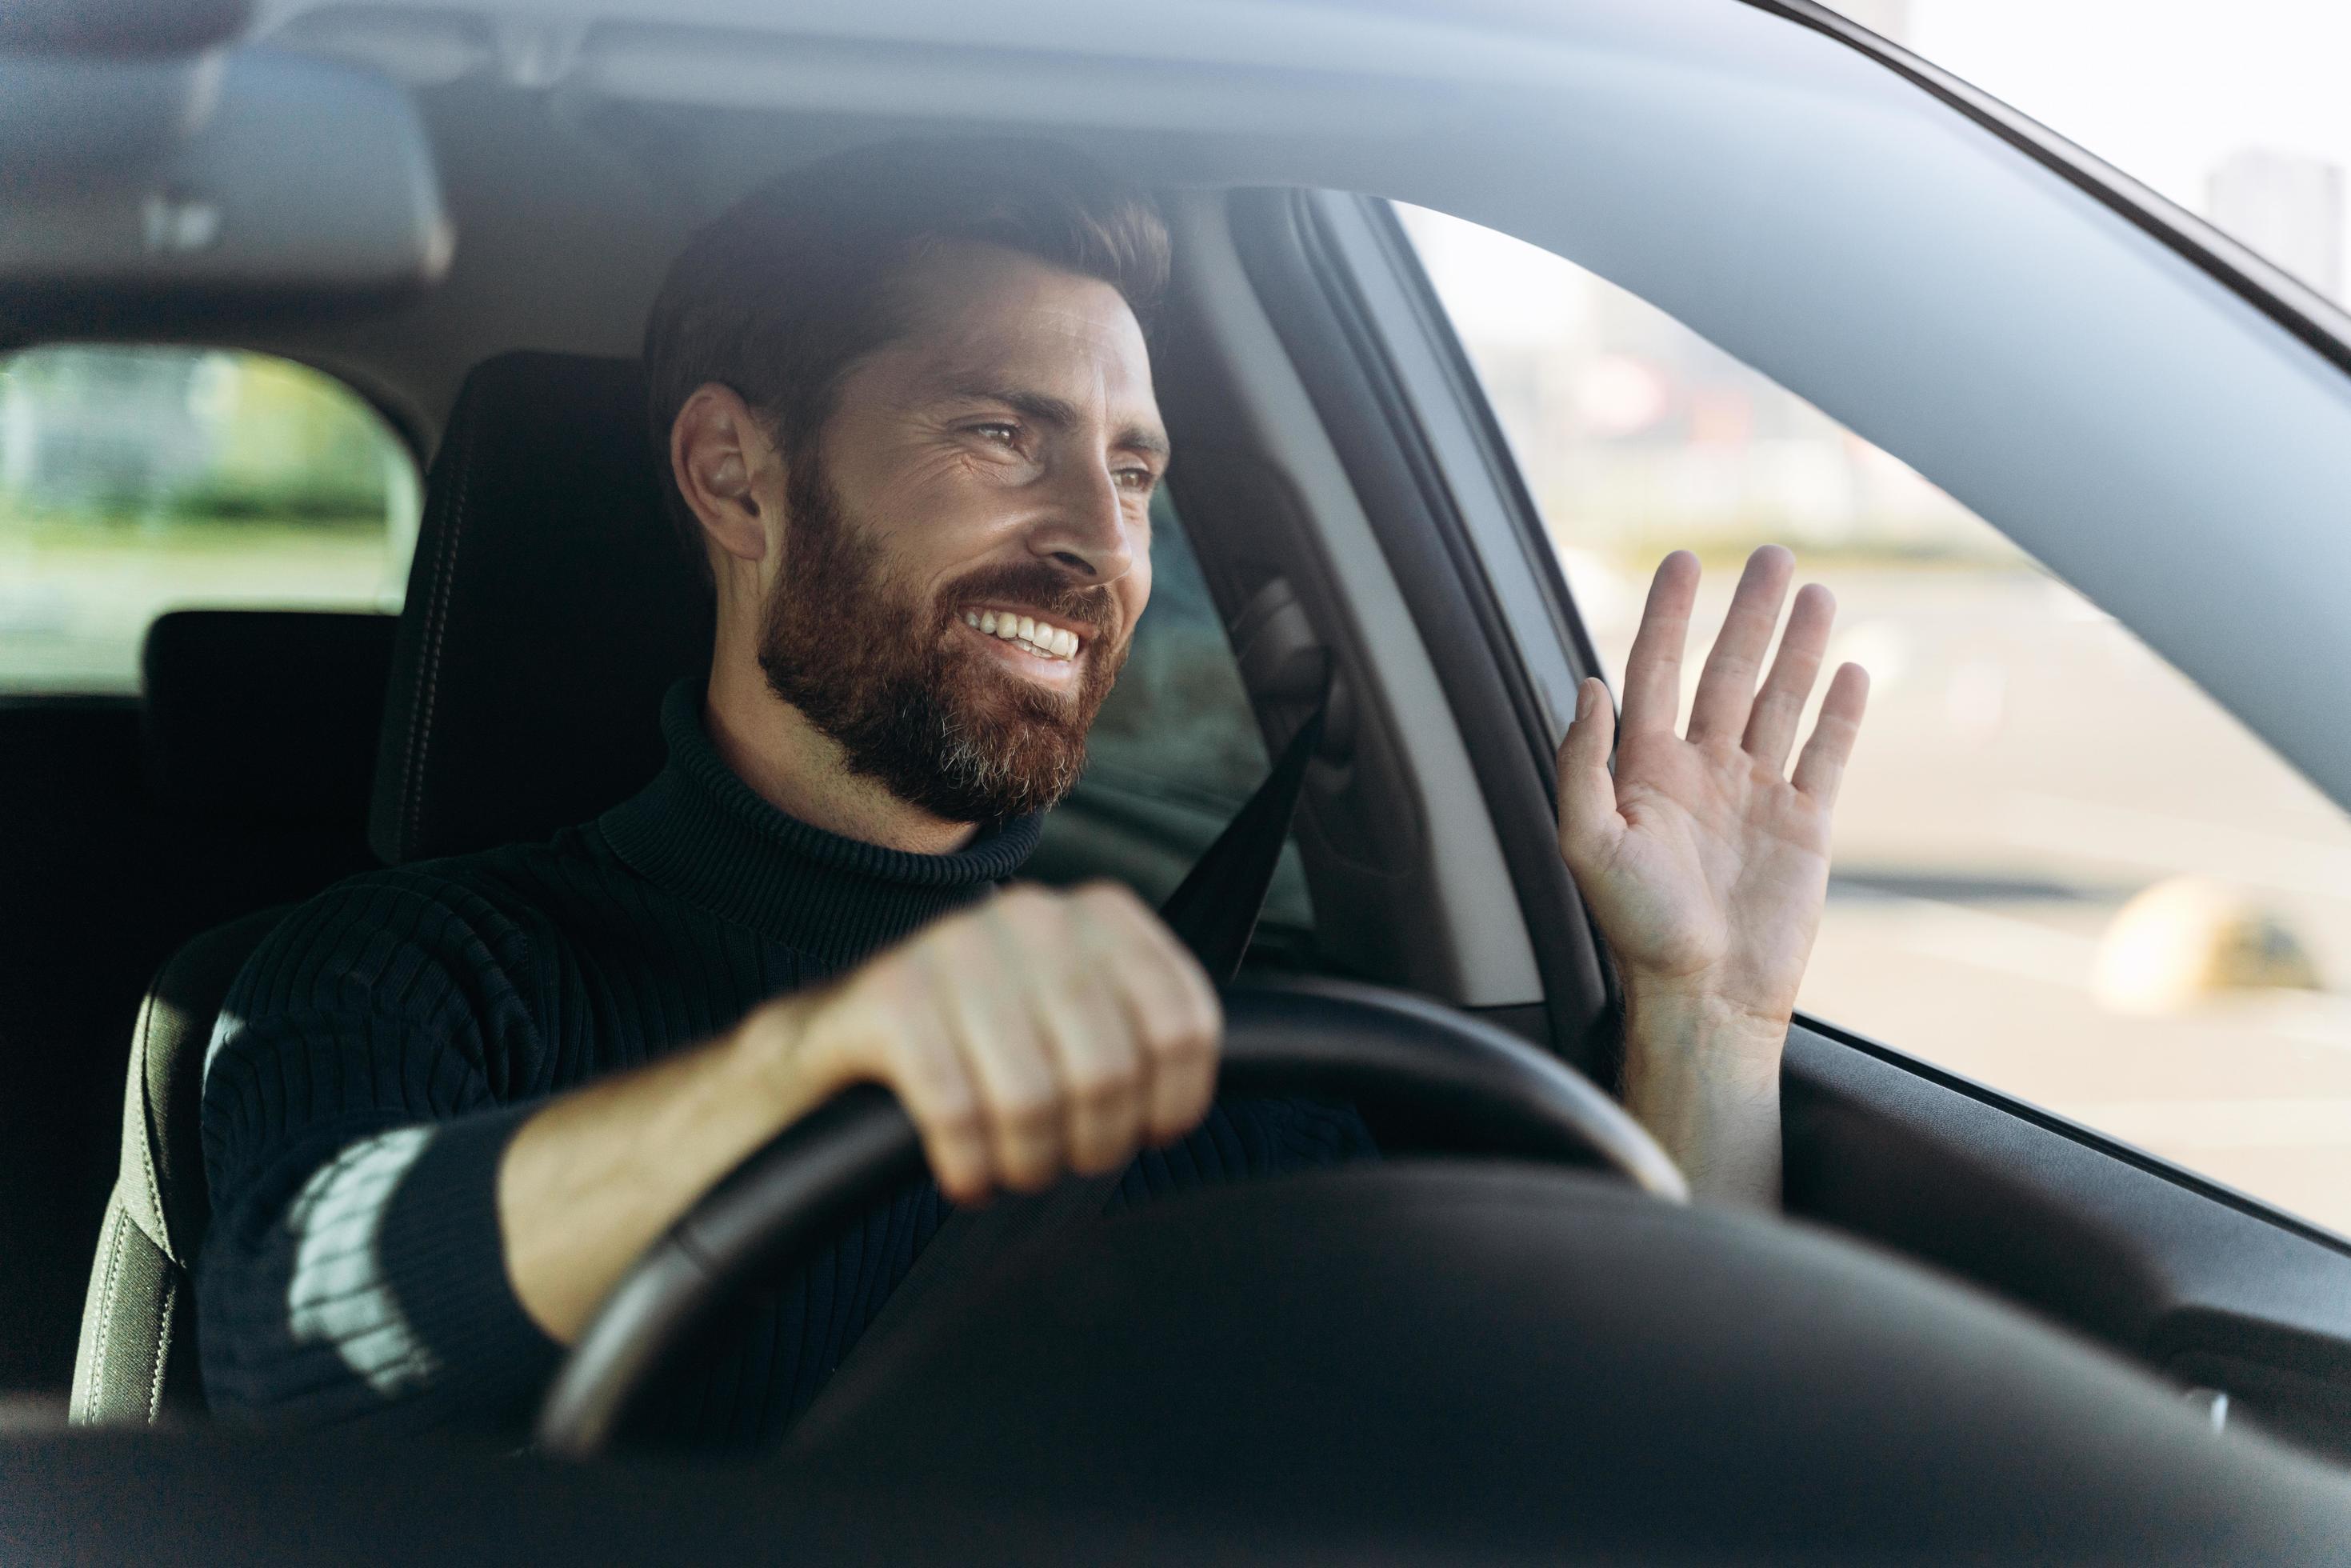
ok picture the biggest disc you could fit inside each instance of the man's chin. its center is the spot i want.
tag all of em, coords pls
(983, 688)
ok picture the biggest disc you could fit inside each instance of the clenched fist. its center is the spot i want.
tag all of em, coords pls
(1040, 1034)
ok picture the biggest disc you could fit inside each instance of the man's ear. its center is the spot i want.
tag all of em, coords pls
(719, 453)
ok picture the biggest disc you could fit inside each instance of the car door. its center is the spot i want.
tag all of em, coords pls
(2244, 1305)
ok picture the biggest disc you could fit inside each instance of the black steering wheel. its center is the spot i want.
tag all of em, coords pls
(1463, 1084)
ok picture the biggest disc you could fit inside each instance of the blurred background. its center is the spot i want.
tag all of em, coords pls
(2061, 869)
(135, 480)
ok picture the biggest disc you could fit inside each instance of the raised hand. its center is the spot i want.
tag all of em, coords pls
(1705, 864)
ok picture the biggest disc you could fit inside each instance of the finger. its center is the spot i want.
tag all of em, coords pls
(1820, 769)
(1780, 708)
(1726, 688)
(1092, 1040)
(1588, 818)
(1177, 1019)
(996, 1014)
(1653, 671)
(927, 1073)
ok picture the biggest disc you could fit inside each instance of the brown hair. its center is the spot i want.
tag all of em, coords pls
(787, 289)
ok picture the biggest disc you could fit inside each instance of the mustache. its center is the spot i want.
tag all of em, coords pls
(1043, 588)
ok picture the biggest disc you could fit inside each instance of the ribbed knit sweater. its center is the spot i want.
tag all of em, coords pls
(382, 1046)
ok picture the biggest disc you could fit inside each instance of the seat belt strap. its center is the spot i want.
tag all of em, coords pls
(1214, 909)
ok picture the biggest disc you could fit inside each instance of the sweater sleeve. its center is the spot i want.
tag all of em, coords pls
(369, 1064)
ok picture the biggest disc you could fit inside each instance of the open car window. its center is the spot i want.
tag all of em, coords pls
(135, 480)
(2061, 869)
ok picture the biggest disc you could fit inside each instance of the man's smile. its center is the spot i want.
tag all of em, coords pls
(1038, 649)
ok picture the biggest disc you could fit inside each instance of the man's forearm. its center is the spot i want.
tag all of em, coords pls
(1704, 1081)
(595, 1175)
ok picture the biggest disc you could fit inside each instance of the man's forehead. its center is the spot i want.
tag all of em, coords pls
(980, 314)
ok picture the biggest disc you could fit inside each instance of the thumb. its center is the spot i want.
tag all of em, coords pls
(1588, 823)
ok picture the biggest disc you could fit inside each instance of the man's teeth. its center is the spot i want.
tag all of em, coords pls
(1042, 638)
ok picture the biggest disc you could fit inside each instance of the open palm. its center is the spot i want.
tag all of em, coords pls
(1704, 863)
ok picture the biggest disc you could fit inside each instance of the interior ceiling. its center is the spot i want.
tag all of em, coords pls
(579, 145)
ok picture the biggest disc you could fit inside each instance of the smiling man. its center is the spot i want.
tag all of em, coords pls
(905, 396)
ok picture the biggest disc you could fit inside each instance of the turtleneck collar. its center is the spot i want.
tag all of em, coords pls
(700, 831)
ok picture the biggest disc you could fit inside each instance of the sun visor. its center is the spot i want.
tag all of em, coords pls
(283, 179)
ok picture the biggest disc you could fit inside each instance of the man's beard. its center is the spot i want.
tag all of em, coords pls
(914, 704)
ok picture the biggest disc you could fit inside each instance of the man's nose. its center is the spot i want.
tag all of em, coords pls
(1086, 530)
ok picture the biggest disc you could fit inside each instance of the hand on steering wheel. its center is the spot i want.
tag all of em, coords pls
(1040, 1034)
(1476, 1086)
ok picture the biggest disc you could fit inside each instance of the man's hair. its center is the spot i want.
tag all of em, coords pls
(780, 295)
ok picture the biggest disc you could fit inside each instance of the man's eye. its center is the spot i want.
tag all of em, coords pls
(1003, 435)
(1140, 479)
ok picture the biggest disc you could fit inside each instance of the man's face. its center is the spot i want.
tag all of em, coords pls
(965, 559)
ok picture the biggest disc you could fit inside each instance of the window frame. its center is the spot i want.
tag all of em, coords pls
(1326, 267)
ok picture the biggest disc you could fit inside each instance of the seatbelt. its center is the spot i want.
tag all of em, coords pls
(1214, 909)
(1215, 912)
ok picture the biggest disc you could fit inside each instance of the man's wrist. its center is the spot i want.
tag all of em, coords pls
(1702, 1026)
(1702, 1074)
(767, 1057)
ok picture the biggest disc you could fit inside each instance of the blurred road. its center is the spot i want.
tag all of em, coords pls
(2026, 768)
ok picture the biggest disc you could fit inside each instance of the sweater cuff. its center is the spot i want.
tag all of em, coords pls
(445, 1259)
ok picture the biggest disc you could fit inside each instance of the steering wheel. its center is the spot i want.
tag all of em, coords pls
(1466, 1082)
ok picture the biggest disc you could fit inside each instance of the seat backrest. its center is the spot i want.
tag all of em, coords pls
(137, 1358)
(240, 780)
(550, 605)
(259, 731)
(264, 719)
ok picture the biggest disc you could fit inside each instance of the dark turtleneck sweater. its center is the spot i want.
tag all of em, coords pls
(384, 1042)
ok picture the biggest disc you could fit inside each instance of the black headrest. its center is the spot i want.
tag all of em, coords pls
(550, 606)
(264, 718)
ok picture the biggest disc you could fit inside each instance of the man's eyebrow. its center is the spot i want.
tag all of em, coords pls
(1144, 439)
(1059, 413)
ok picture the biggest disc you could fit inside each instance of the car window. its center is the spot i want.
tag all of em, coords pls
(136, 480)
(2060, 867)
(1174, 754)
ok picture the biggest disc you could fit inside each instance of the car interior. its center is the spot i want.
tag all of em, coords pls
(1344, 539)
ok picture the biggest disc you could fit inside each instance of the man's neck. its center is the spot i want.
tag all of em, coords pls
(802, 772)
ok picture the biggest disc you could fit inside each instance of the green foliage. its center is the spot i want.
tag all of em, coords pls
(109, 437)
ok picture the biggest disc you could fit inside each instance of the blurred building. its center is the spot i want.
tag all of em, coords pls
(2287, 206)
(156, 434)
(100, 428)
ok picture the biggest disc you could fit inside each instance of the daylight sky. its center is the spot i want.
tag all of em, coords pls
(2162, 88)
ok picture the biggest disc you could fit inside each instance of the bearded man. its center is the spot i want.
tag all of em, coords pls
(906, 402)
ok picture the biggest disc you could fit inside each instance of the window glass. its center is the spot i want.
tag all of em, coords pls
(2235, 112)
(2060, 867)
(1174, 754)
(137, 480)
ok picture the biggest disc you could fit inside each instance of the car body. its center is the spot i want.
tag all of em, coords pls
(2158, 416)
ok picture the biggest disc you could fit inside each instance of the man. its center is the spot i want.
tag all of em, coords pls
(906, 405)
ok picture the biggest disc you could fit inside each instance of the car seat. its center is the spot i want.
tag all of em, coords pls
(550, 605)
(259, 730)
